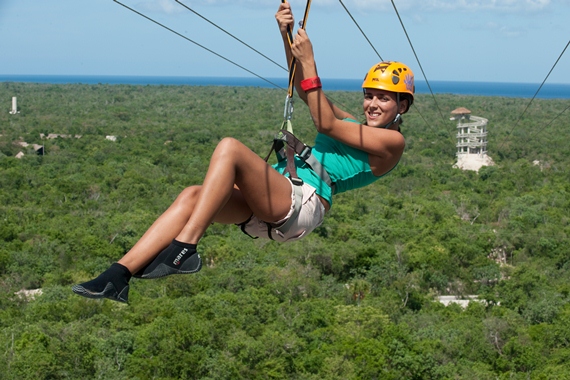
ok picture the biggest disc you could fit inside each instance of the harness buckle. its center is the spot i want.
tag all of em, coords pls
(305, 153)
(296, 181)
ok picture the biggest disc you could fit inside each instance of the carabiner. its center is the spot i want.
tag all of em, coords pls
(288, 111)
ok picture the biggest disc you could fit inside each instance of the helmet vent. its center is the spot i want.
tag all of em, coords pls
(395, 77)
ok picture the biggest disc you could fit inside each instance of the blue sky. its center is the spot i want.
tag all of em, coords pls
(455, 40)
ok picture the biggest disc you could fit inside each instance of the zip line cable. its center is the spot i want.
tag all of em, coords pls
(229, 34)
(552, 121)
(535, 94)
(367, 39)
(361, 31)
(365, 36)
(417, 59)
(429, 86)
(199, 45)
(427, 81)
(291, 72)
(209, 50)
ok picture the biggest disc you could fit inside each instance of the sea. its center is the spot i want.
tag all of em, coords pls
(514, 90)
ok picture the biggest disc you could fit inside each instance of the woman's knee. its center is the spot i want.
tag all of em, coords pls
(229, 147)
(228, 142)
(188, 196)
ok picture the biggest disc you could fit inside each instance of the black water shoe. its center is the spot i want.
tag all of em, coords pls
(177, 258)
(112, 284)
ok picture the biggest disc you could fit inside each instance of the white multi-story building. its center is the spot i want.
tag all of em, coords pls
(14, 106)
(471, 132)
(471, 140)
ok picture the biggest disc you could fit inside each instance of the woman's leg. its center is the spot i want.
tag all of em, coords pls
(237, 184)
(266, 193)
(162, 231)
(171, 223)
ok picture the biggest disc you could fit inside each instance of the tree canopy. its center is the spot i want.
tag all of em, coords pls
(357, 299)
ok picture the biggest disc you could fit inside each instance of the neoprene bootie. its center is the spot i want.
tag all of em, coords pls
(112, 284)
(177, 258)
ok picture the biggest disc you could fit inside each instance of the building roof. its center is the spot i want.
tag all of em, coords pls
(460, 111)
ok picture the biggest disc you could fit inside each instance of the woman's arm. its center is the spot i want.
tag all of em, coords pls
(284, 17)
(387, 145)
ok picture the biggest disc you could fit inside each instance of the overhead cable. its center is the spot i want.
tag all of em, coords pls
(361, 31)
(231, 35)
(417, 59)
(199, 45)
(207, 49)
(366, 37)
(535, 94)
(552, 121)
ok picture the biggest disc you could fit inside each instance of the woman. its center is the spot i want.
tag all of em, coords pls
(241, 188)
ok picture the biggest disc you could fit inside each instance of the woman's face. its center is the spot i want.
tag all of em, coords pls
(380, 107)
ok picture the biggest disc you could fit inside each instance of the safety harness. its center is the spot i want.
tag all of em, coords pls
(286, 146)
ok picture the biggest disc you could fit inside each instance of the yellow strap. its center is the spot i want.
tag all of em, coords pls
(292, 66)
(293, 63)
(287, 125)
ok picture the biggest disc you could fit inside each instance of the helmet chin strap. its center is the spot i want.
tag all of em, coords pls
(398, 117)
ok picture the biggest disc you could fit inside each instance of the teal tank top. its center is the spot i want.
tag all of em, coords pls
(348, 167)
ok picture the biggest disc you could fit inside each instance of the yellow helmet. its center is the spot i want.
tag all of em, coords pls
(391, 76)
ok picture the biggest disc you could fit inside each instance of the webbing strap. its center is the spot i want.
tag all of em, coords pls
(291, 168)
(293, 64)
(320, 170)
(304, 152)
(287, 126)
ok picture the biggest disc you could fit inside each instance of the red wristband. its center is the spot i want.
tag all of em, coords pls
(311, 83)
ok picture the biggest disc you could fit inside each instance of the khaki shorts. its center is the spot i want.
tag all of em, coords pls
(310, 217)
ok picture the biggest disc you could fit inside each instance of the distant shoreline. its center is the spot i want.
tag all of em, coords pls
(515, 90)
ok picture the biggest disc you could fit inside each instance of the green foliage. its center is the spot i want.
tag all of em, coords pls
(354, 300)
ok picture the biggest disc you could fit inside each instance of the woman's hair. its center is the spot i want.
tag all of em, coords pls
(409, 98)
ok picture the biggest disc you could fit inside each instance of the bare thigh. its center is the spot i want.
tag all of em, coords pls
(258, 188)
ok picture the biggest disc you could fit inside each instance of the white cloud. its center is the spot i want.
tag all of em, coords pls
(453, 5)
(511, 6)
(247, 3)
(378, 5)
(507, 31)
(386, 5)
(161, 6)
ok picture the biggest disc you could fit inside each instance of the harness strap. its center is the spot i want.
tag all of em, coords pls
(293, 63)
(305, 153)
(286, 145)
(302, 150)
(242, 226)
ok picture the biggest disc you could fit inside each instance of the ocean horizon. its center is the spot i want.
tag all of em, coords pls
(515, 90)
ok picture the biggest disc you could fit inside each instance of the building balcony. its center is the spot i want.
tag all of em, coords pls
(471, 135)
(471, 145)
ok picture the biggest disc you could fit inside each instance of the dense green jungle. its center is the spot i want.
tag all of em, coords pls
(357, 299)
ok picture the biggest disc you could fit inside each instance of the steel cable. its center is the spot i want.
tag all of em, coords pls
(199, 45)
